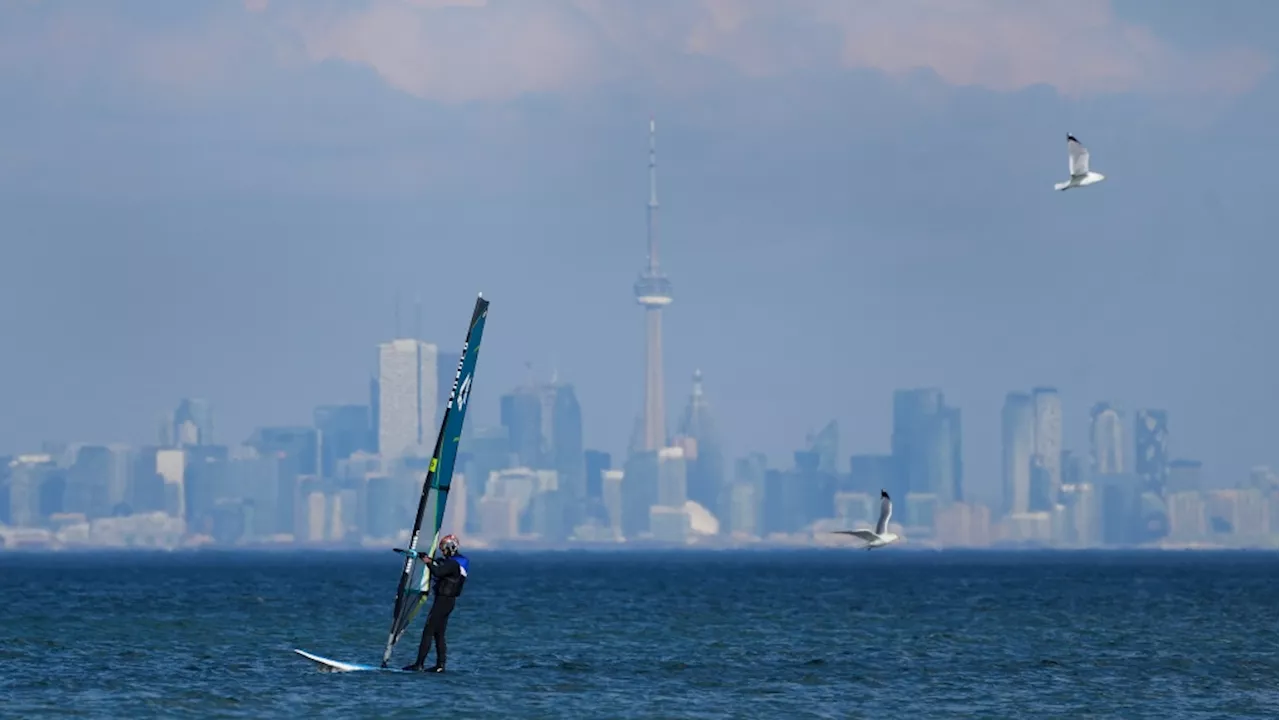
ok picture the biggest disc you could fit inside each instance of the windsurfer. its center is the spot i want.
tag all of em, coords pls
(448, 575)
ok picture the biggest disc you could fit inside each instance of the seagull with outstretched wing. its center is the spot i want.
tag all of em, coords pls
(1078, 166)
(881, 535)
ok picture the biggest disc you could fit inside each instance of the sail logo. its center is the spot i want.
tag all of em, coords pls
(464, 392)
(453, 390)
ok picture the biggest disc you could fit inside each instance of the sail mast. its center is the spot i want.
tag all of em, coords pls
(411, 595)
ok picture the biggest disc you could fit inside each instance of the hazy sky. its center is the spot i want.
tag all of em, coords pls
(222, 199)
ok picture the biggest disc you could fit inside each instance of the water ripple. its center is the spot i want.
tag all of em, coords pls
(752, 635)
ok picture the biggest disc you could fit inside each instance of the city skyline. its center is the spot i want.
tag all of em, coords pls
(273, 244)
(444, 358)
(535, 482)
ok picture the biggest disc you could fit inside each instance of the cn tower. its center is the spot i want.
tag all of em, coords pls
(653, 293)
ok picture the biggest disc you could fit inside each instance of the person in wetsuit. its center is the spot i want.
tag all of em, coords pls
(448, 575)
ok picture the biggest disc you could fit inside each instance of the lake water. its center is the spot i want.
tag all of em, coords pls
(785, 634)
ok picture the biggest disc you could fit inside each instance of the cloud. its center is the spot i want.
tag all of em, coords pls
(457, 51)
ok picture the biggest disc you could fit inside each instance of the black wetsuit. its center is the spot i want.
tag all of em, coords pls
(448, 575)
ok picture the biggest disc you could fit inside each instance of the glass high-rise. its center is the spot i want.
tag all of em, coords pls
(407, 397)
(1017, 430)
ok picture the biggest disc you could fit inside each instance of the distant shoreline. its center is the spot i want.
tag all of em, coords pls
(619, 549)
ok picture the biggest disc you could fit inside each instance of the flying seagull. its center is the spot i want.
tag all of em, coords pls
(1078, 164)
(881, 536)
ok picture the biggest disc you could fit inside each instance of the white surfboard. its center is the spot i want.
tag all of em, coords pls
(327, 665)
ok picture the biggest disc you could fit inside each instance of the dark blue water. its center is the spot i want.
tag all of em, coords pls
(564, 635)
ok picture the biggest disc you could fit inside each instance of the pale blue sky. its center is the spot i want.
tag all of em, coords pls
(221, 199)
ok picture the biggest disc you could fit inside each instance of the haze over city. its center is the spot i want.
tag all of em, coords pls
(571, 352)
(230, 201)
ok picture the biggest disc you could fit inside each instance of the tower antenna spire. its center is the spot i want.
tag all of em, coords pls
(417, 317)
(651, 213)
(398, 335)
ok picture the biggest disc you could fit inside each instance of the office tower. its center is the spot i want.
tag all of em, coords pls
(1151, 448)
(32, 489)
(255, 478)
(297, 450)
(611, 498)
(344, 431)
(814, 487)
(1017, 423)
(88, 482)
(596, 462)
(952, 415)
(1106, 439)
(826, 443)
(5, 475)
(119, 478)
(672, 488)
(484, 451)
(374, 412)
(1047, 457)
(192, 423)
(205, 482)
(146, 487)
(171, 466)
(750, 471)
(565, 444)
(706, 485)
(639, 491)
(925, 444)
(521, 414)
(407, 398)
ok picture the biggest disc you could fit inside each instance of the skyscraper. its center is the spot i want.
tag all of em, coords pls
(192, 423)
(672, 477)
(544, 426)
(344, 430)
(597, 462)
(407, 397)
(32, 479)
(96, 480)
(826, 442)
(566, 446)
(1017, 424)
(1047, 458)
(296, 451)
(705, 472)
(1151, 446)
(1106, 439)
(204, 482)
(911, 408)
(653, 293)
(925, 444)
(521, 414)
(957, 454)
(374, 413)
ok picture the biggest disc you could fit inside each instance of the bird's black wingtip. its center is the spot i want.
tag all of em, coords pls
(883, 494)
(1071, 138)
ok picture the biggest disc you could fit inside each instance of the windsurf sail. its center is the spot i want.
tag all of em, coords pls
(415, 578)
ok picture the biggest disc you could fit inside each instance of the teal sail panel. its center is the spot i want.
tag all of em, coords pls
(415, 578)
